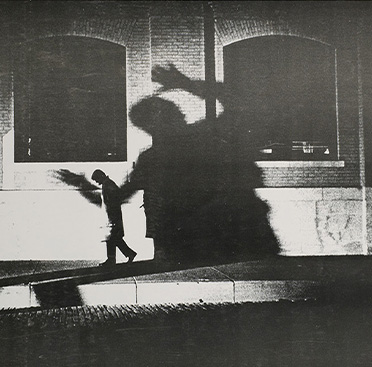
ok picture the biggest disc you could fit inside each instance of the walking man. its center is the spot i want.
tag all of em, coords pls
(112, 201)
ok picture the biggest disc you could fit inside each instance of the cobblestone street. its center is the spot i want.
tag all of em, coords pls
(303, 333)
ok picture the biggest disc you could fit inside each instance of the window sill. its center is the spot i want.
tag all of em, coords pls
(300, 164)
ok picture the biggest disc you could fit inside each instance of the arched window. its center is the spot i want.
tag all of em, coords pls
(70, 101)
(284, 93)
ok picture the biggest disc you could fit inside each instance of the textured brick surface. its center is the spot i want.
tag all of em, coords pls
(271, 334)
(6, 104)
(35, 318)
(179, 40)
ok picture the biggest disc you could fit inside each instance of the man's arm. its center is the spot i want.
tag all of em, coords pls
(79, 181)
(138, 178)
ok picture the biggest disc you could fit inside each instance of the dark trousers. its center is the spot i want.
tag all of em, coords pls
(118, 242)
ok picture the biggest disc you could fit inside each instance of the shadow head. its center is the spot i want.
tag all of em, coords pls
(157, 116)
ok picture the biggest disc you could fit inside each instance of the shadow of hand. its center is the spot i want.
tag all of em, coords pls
(169, 77)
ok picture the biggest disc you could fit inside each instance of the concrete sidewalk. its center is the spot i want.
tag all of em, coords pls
(206, 284)
(264, 280)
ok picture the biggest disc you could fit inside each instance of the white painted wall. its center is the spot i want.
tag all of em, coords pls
(316, 221)
(60, 224)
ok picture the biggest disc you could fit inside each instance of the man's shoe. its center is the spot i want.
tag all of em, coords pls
(108, 262)
(131, 257)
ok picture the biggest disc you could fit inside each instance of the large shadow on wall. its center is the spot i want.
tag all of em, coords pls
(198, 183)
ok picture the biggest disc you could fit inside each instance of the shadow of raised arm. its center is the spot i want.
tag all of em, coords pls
(171, 78)
(80, 182)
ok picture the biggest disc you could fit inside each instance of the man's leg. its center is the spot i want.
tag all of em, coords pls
(126, 250)
(111, 253)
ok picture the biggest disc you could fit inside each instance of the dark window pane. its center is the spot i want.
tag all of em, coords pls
(70, 101)
(284, 96)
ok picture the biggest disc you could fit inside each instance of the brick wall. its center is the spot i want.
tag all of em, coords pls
(158, 33)
(107, 21)
(138, 81)
(177, 37)
(6, 104)
(6, 113)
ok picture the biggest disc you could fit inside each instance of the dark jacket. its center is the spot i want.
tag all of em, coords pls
(112, 200)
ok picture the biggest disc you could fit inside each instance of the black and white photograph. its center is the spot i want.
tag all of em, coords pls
(185, 183)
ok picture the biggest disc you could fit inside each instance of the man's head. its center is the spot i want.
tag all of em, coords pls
(99, 176)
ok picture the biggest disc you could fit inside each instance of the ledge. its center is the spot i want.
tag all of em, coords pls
(300, 164)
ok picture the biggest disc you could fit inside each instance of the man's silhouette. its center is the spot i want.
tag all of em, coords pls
(112, 201)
